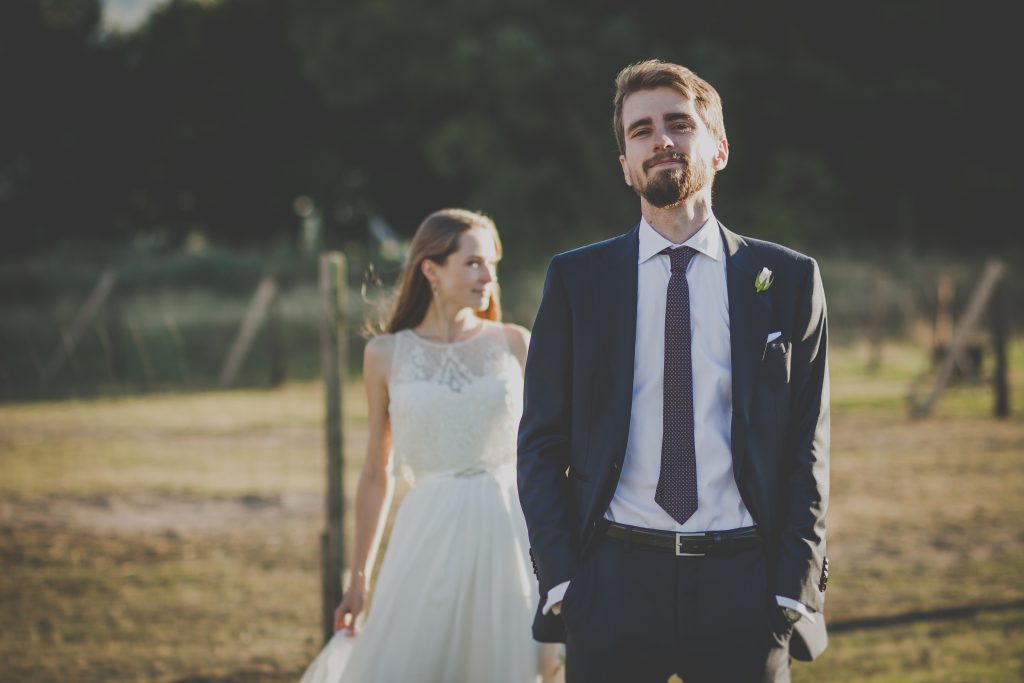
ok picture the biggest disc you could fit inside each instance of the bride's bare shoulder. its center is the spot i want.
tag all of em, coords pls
(518, 338)
(516, 333)
(377, 353)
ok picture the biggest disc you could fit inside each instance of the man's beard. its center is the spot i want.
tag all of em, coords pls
(672, 186)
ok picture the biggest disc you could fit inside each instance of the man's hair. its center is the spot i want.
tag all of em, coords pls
(655, 73)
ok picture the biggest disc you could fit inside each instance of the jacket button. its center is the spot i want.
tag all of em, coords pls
(615, 465)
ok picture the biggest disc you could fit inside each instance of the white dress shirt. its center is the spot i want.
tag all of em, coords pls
(719, 505)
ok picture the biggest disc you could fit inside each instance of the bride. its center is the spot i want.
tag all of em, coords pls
(454, 598)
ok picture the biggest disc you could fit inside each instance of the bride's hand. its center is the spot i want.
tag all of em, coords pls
(351, 605)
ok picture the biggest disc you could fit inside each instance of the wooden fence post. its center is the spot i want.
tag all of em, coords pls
(106, 342)
(275, 344)
(1000, 341)
(118, 355)
(944, 295)
(878, 309)
(333, 361)
(82, 321)
(990, 277)
(147, 366)
(265, 293)
(179, 345)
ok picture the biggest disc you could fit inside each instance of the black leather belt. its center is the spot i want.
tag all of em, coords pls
(686, 544)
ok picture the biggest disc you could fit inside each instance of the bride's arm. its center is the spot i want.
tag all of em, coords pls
(373, 492)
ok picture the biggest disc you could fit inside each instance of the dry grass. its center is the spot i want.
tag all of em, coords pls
(174, 538)
(164, 538)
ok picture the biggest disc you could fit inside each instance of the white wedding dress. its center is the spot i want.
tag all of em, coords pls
(454, 598)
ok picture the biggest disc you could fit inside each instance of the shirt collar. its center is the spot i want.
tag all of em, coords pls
(707, 240)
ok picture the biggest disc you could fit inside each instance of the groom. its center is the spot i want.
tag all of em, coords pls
(673, 452)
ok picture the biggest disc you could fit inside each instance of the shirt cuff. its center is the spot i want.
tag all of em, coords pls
(555, 596)
(800, 607)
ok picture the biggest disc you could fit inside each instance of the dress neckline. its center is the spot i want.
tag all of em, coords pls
(460, 342)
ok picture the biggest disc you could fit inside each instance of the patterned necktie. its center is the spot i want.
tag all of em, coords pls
(677, 482)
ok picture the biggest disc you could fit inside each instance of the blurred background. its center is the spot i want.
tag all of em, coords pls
(196, 147)
(171, 172)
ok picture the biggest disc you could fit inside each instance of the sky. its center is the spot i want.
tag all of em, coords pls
(126, 15)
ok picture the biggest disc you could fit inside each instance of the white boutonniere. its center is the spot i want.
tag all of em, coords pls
(763, 280)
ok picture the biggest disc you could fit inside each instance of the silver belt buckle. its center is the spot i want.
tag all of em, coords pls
(679, 546)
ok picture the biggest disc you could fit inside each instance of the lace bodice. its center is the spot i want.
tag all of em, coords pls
(454, 407)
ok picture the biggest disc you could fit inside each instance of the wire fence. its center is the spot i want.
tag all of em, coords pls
(176, 324)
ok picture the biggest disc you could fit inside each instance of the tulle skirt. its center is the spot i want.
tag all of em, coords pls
(454, 599)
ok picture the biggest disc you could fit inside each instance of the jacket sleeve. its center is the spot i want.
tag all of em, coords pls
(544, 438)
(801, 572)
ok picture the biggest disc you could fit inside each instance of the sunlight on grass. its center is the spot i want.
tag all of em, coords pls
(171, 536)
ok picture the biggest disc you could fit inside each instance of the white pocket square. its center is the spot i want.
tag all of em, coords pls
(772, 336)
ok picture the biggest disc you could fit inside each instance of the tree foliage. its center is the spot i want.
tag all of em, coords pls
(878, 122)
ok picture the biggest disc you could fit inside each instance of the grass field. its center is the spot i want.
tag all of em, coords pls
(174, 538)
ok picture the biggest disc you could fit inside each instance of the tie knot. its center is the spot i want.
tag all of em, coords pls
(680, 257)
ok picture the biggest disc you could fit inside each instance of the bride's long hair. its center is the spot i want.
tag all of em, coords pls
(435, 240)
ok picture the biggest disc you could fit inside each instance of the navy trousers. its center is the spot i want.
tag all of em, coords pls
(638, 615)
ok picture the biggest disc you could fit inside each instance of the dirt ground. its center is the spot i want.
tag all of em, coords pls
(159, 588)
(175, 538)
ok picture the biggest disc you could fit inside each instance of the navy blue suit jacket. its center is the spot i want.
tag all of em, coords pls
(579, 382)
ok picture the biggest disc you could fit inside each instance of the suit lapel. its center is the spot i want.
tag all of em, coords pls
(750, 314)
(614, 281)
